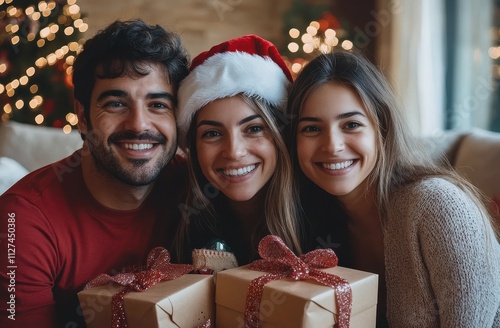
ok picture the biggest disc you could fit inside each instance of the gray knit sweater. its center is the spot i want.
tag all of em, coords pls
(442, 262)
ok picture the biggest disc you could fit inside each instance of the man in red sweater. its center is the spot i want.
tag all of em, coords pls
(108, 204)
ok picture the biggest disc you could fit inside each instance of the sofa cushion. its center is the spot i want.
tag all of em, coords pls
(36, 146)
(10, 172)
(478, 159)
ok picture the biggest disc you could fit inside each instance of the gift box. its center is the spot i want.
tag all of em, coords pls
(290, 303)
(187, 301)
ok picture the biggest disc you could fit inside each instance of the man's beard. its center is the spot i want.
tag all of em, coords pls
(138, 173)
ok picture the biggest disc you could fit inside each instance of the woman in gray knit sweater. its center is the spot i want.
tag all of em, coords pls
(420, 226)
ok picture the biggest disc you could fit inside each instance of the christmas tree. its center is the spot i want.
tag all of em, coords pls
(312, 28)
(38, 44)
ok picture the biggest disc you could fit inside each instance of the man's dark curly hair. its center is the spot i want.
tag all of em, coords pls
(120, 49)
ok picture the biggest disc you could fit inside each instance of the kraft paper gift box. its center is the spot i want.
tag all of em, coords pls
(187, 301)
(287, 303)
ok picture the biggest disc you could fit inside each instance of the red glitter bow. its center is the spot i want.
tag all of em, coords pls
(281, 262)
(140, 278)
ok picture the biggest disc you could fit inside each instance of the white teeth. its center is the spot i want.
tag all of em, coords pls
(240, 171)
(138, 146)
(337, 166)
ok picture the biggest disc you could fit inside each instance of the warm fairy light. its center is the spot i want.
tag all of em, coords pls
(19, 104)
(329, 33)
(296, 67)
(314, 24)
(324, 48)
(312, 30)
(70, 60)
(494, 52)
(42, 5)
(36, 16)
(15, 84)
(44, 32)
(83, 28)
(12, 11)
(69, 30)
(73, 46)
(7, 108)
(306, 38)
(67, 129)
(308, 48)
(29, 11)
(23, 80)
(293, 47)
(39, 119)
(51, 59)
(41, 62)
(38, 99)
(59, 53)
(48, 20)
(72, 119)
(33, 104)
(347, 45)
(54, 28)
(74, 9)
(294, 33)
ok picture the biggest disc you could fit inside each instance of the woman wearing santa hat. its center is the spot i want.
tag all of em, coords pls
(230, 118)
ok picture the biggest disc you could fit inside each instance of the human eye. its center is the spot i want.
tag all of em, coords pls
(210, 134)
(256, 128)
(158, 105)
(352, 125)
(113, 104)
(309, 129)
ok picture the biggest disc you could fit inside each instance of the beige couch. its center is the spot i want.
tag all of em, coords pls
(475, 153)
(25, 147)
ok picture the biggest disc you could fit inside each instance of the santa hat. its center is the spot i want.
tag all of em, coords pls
(248, 65)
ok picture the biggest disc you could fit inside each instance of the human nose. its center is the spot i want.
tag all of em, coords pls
(234, 148)
(137, 119)
(333, 142)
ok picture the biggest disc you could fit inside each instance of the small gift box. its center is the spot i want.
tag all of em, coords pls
(146, 298)
(325, 297)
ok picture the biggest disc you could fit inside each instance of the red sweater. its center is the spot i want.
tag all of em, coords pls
(55, 237)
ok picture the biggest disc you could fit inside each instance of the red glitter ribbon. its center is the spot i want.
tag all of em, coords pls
(139, 278)
(281, 262)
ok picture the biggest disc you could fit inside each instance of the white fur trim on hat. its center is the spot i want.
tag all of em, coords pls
(228, 74)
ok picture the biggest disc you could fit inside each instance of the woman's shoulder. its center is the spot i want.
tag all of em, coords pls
(435, 196)
(435, 189)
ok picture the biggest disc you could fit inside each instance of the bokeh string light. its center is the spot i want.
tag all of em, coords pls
(320, 36)
(37, 37)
